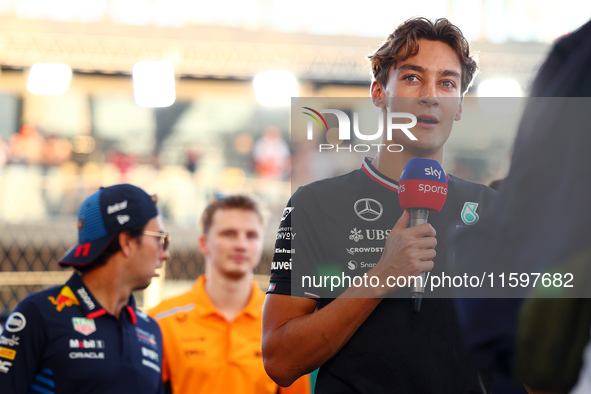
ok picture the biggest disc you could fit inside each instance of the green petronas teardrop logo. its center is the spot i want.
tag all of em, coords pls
(469, 215)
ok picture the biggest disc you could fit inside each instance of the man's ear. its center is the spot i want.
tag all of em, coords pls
(125, 242)
(202, 242)
(377, 94)
(458, 116)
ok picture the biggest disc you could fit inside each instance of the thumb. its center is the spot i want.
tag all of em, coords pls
(401, 224)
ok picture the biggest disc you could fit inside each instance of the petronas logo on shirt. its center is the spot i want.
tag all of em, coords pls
(469, 215)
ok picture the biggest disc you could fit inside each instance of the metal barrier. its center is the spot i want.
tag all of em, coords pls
(29, 254)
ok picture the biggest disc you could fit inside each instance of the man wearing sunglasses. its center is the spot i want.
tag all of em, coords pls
(212, 334)
(87, 336)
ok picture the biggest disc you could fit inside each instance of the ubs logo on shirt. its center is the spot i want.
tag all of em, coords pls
(371, 234)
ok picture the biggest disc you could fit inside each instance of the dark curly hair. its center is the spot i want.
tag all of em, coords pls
(404, 43)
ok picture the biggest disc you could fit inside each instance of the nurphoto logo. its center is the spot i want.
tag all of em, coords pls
(345, 129)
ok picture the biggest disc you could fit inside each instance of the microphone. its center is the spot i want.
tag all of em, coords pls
(422, 189)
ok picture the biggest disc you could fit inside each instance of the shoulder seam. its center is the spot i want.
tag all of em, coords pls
(173, 311)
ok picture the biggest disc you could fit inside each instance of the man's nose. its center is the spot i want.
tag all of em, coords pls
(241, 242)
(428, 96)
(165, 255)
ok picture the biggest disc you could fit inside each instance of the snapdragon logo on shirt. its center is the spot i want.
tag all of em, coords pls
(393, 123)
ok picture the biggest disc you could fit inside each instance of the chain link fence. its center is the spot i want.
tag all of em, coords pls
(29, 254)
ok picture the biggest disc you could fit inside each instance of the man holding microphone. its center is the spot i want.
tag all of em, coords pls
(363, 341)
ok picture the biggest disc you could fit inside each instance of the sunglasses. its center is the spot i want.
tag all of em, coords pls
(164, 237)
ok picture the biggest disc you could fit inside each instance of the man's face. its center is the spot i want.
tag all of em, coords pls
(148, 257)
(429, 85)
(234, 243)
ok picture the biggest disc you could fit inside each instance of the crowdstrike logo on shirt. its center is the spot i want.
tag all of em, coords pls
(372, 249)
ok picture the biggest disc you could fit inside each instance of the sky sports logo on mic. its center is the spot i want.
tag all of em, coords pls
(393, 123)
(423, 184)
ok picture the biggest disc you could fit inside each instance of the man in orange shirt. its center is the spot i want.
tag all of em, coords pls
(212, 334)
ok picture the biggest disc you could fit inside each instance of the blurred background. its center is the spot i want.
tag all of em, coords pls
(189, 99)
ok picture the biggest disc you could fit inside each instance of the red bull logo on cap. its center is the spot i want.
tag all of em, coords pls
(65, 298)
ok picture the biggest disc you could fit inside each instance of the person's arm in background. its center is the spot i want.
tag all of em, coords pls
(297, 339)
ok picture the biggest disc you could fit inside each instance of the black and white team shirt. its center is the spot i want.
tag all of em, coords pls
(339, 226)
(61, 341)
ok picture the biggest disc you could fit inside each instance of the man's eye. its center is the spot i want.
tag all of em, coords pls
(411, 78)
(448, 84)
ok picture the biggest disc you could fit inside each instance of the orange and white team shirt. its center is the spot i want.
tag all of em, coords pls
(204, 353)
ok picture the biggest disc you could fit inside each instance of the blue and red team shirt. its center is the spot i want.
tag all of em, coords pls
(62, 341)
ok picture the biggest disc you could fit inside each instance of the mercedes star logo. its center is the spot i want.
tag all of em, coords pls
(368, 209)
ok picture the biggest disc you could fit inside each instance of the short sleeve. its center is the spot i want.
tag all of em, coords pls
(298, 251)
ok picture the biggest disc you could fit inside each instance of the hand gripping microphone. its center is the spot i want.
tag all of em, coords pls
(422, 189)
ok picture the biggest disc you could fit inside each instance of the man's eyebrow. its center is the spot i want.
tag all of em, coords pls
(444, 73)
(450, 73)
(412, 67)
